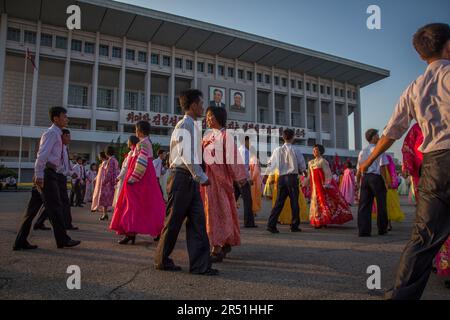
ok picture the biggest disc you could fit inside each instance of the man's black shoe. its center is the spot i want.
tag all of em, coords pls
(296, 230)
(42, 227)
(72, 228)
(210, 272)
(382, 233)
(272, 230)
(364, 235)
(69, 244)
(252, 226)
(168, 268)
(25, 246)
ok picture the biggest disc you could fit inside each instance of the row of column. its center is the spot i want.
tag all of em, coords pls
(95, 75)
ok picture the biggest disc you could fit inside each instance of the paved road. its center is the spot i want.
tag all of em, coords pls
(314, 264)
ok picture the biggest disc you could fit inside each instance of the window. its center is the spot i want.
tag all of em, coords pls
(189, 64)
(46, 40)
(155, 58)
(210, 68)
(267, 78)
(14, 34)
(328, 90)
(76, 45)
(221, 71)
(117, 52)
(230, 72)
(249, 75)
(78, 95)
(105, 98)
(293, 84)
(348, 94)
(142, 56)
(279, 117)
(240, 74)
(61, 42)
(342, 93)
(284, 82)
(130, 54)
(322, 89)
(314, 87)
(308, 87)
(29, 37)
(178, 63)
(259, 77)
(277, 81)
(354, 95)
(200, 66)
(89, 47)
(131, 100)
(263, 115)
(166, 61)
(159, 103)
(336, 92)
(104, 50)
(300, 85)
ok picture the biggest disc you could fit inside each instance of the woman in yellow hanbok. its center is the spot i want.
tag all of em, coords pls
(286, 214)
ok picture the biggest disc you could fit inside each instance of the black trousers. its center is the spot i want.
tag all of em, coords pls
(372, 186)
(76, 194)
(66, 212)
(51, 199)
(245, 191)
(184, 202)
(288, 186)
(431, 228)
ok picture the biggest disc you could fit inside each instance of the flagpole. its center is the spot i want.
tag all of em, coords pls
(21, 117)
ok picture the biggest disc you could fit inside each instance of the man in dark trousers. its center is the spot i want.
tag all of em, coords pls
(47, 182)
(184, 200)
(67, 171)
(426, 100)
(373, 185)
(76, 193)
(245, 190)
(289, 162)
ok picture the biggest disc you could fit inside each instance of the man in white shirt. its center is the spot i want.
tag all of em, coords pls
(426, 100)
(76, 192)
(160, 169)
(373, 185)
(289, 162)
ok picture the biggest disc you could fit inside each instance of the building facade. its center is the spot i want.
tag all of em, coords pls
(129, 63)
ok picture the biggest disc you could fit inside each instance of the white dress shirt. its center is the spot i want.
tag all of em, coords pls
(159, 168)
(66, 167)
(287, 159)
(382, 160)
(187, 159)
(427, 100)
(50, 150)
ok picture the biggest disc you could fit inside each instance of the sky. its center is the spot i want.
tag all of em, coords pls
(334, 27)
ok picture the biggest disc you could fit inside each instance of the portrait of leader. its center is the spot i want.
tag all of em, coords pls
(216, 97)
(237, 100)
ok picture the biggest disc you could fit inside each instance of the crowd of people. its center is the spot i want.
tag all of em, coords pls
(156, 194)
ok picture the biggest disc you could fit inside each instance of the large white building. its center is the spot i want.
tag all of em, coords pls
(128, 63)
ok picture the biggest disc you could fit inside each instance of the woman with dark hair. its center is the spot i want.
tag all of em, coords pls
(348, 185)
(220, 151)
(131, 144)
(111, 172)
(98, 181)
(327, 204)
(140, 207)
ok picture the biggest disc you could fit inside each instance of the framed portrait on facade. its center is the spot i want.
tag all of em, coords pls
(237, 100)
(216, 97)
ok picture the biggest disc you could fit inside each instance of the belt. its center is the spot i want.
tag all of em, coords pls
(183, 171)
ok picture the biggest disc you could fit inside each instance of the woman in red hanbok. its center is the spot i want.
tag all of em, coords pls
(222, 169)
(327, 204)
(140, 207)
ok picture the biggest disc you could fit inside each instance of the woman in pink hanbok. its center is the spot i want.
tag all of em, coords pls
(222, 169)
(111, 171)
(98, 181)
(140, 207)
(348, 185)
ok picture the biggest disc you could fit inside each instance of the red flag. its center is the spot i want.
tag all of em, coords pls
(30, 57)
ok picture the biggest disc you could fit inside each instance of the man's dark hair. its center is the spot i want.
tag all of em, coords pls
(320, 147)
(288, 134)
(429, 41)
(144, 127)
(133, 140)
(189, 97)
(370, 134)
(218, 90)
(92, 164)
(79, 158)
(102, 155)
(65, 131)
(56, 112)
(349, 164)
(238, 94)
(220, 114)
(110, 151)
(160, 152)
